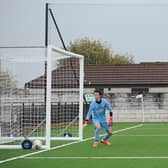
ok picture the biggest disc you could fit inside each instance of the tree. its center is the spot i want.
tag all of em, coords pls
(122, 59)
(96, 52)
(7, 83)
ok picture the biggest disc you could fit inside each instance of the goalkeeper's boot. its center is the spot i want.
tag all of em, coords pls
(95, 144)
(107, 143)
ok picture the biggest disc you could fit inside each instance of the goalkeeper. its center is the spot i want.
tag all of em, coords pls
(97, 111)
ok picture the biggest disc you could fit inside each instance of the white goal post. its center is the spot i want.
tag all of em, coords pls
(65, 87)
(41, 97)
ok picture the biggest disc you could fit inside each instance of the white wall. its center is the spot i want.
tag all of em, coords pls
(158, 90)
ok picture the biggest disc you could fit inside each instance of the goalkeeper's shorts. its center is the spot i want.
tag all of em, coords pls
(104, 125)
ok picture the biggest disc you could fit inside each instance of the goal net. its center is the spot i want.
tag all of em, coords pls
(65, 80)
(40, 97)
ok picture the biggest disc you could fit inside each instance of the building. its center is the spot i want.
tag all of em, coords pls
(120, 84)
(129, 78)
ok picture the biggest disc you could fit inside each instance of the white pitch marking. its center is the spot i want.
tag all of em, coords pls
(155, 128)
(96, 157)
(141, 135)
(61, 146)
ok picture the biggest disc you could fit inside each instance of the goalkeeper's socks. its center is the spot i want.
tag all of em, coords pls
(107, 136)
(97, 132)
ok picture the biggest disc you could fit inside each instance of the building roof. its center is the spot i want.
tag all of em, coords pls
(128, 74)
(108, 75)
(65, 76)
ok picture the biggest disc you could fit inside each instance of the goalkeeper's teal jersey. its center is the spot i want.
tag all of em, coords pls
(97, 110)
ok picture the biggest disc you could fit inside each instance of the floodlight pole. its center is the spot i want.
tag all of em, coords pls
(46, 45)
(46, 85)
(46, 24)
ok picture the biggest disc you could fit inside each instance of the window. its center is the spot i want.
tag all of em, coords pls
(139, 90)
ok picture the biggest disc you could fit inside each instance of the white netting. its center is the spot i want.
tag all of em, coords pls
(22, 104)
(27, 103)
(65, 94)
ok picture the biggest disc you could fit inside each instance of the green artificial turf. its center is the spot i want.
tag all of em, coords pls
(139, 147)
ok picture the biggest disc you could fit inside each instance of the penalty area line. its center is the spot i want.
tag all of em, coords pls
(99, 158)
(64, 145)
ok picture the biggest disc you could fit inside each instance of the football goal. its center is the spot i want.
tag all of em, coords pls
(41, 98)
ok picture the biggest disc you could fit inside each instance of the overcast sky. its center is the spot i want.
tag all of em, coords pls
(138, 28)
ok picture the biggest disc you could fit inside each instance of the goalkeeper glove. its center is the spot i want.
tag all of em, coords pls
(85, 123)
(110, 121)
